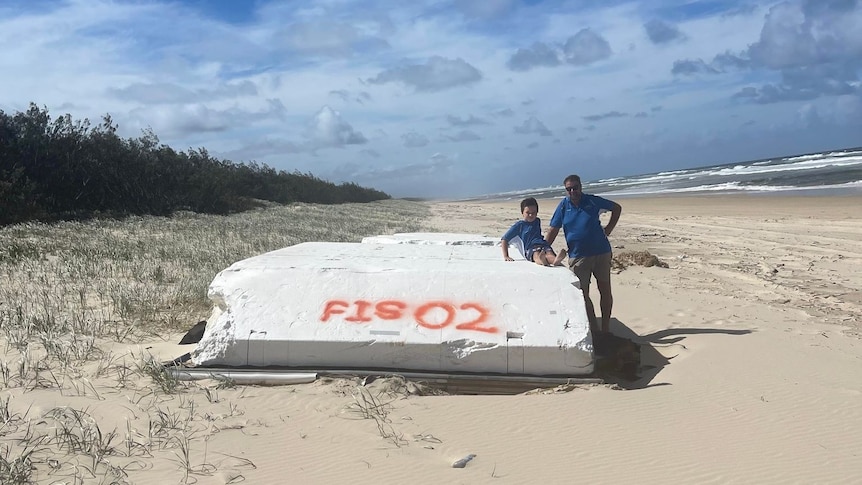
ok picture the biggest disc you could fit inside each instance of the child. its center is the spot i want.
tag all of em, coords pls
(536, 249)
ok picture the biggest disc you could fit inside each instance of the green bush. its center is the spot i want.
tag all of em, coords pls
(68, 169)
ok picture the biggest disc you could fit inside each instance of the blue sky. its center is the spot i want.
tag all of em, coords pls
(449, 98)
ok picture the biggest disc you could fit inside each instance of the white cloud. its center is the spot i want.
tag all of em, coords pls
(467, 121)
(475, 85)
(537, 55)
(328, 38)
(533, 126)
(463, 135)
(178, 120)
(662, 32)
(328, 129)
(167, 93)
(437, 74)
(586, 47)
(414, 140)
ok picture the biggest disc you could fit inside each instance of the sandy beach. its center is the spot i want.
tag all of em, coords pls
(754, 334)
(751, 344)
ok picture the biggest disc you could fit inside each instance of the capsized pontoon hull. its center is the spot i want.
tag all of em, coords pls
(431, 308)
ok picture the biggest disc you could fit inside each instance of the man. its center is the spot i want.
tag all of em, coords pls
(589, 248)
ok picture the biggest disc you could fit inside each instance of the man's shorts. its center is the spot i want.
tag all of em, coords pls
(537, 247)
(598, 266)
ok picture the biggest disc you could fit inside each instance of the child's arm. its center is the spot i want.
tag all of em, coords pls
(504, 241)
(505, 245)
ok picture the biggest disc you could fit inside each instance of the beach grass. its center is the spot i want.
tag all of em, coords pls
(69, 291)
(64, 284)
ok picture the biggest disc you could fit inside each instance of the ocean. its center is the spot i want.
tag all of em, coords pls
(828, 173)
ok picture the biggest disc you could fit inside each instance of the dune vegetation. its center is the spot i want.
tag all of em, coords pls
(106, 243)
(64, 169)
(74, 292)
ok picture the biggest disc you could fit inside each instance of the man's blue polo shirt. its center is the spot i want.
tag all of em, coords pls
(581, 225)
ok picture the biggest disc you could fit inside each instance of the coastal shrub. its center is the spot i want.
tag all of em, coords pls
(63, 169)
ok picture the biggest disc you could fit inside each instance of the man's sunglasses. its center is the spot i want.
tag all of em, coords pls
(574, 187)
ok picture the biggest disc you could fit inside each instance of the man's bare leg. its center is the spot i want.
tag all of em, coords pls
(591, 311)
(607, 304)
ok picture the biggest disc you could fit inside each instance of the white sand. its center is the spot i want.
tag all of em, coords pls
(753, 335)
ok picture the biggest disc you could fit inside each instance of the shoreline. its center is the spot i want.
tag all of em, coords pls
(738, 204)
(790, 193)
(788, 204)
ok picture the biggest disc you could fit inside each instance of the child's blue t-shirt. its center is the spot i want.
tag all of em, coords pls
(529, 232)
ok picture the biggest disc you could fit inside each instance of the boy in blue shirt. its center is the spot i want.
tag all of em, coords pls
(529, 229)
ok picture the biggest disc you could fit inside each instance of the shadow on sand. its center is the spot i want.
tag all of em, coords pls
(632, 361)
(624, 358)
